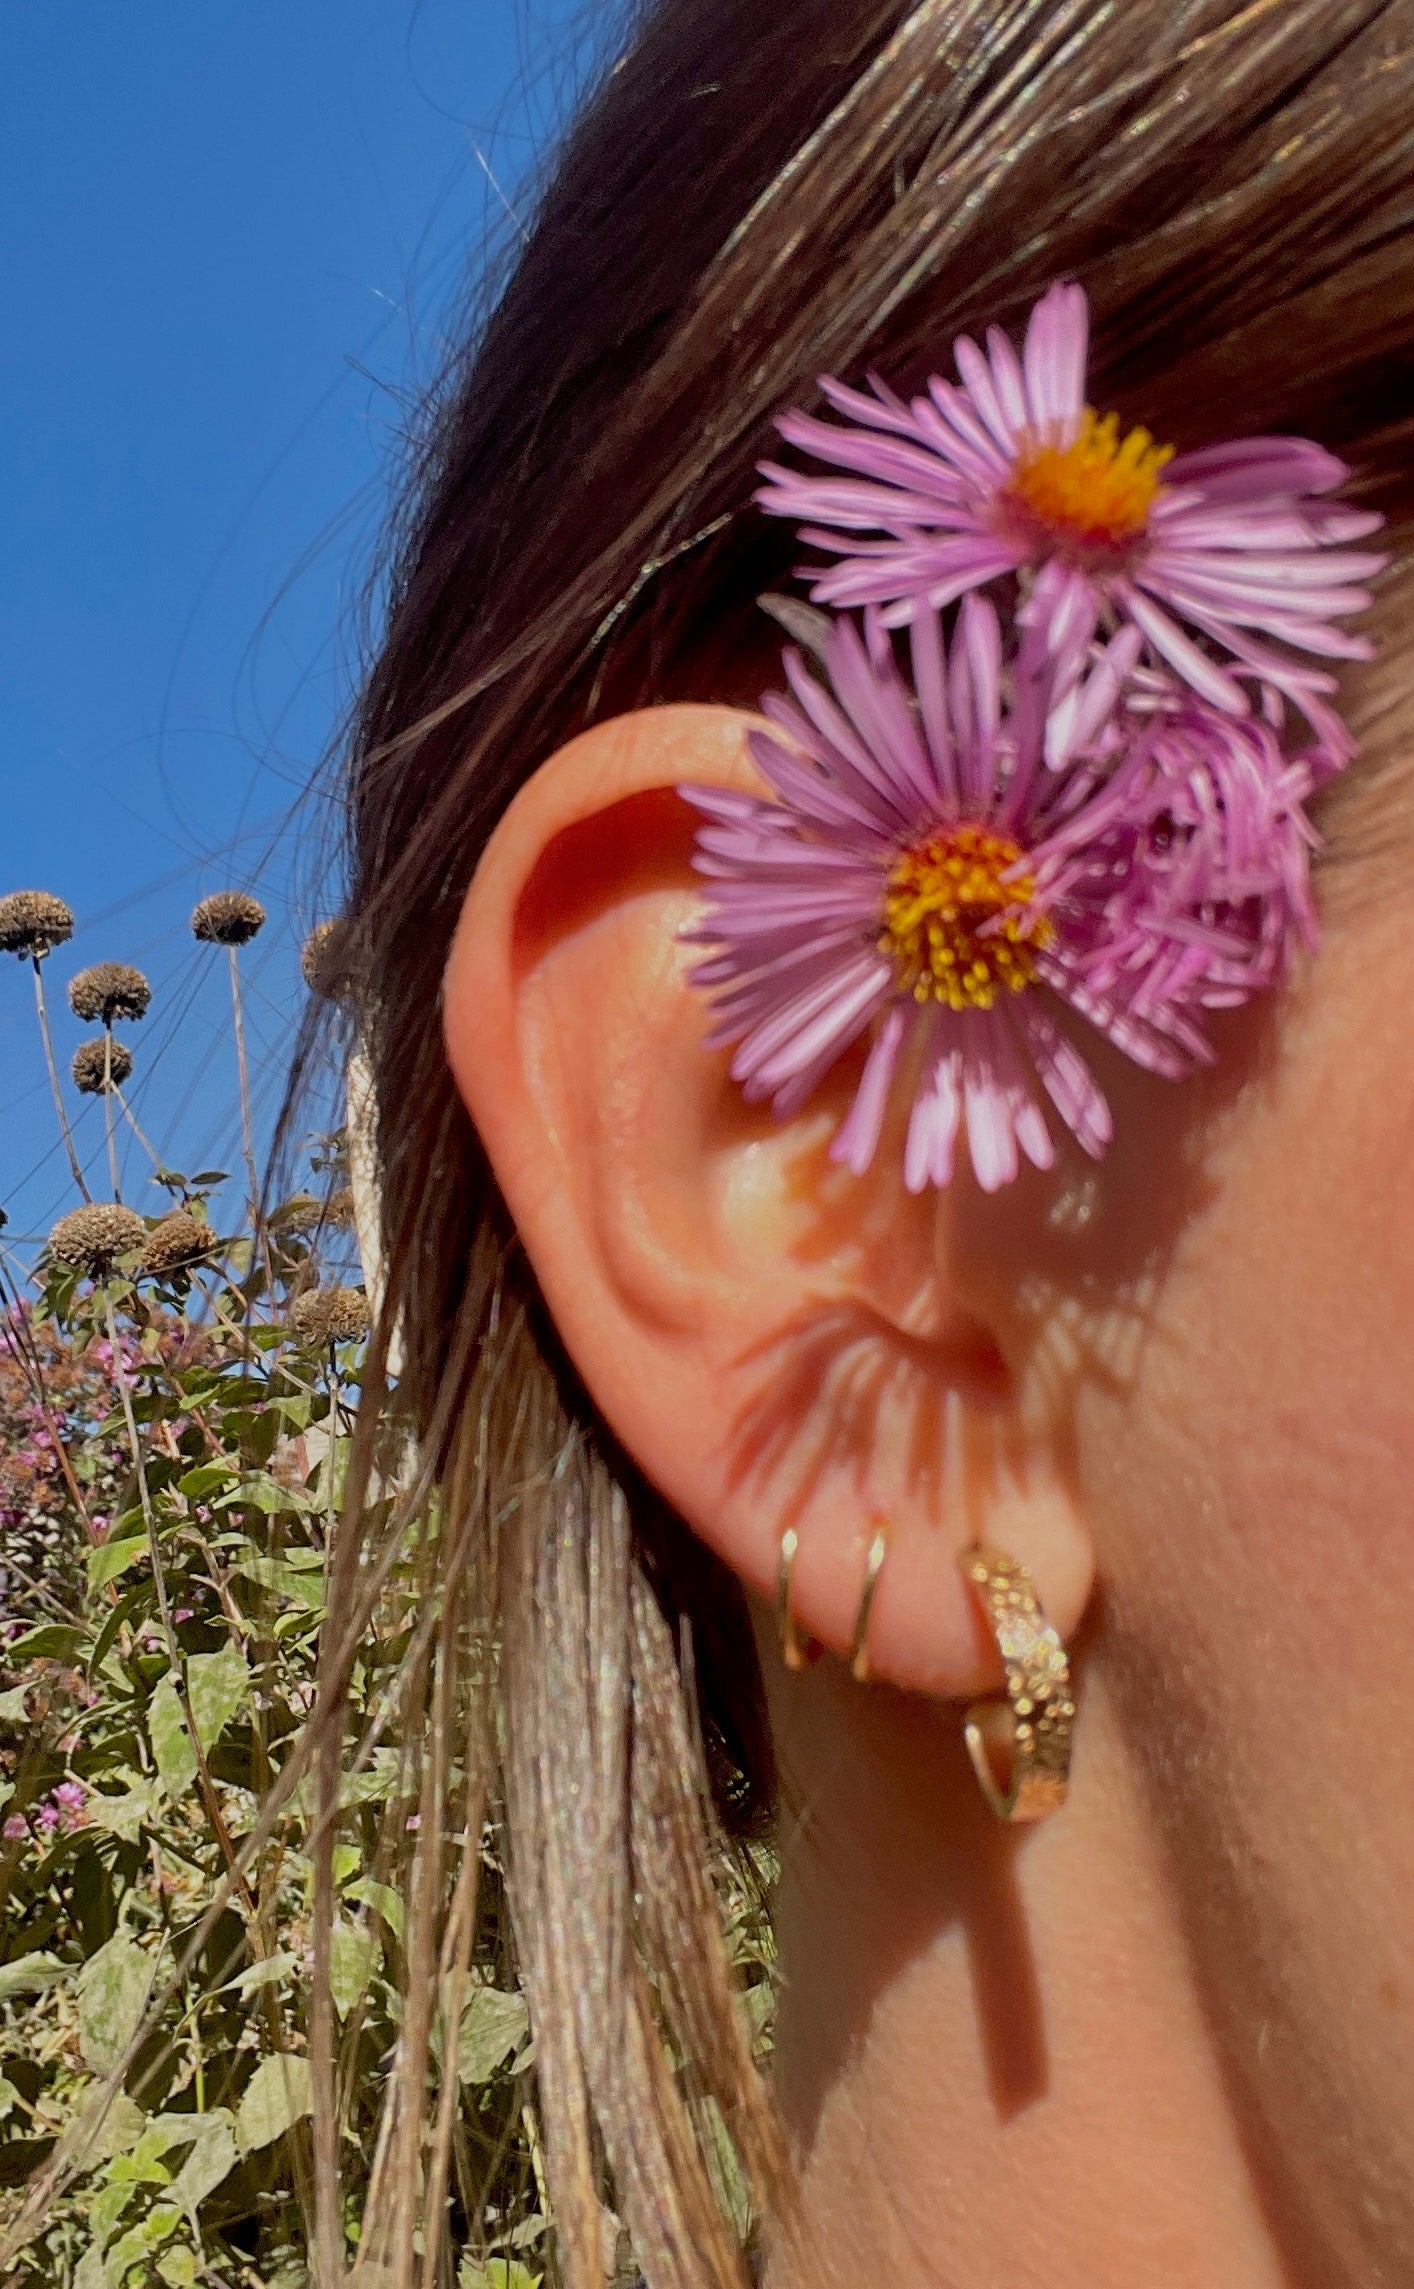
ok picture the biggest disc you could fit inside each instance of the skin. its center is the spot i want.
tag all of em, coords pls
(1164, 2038)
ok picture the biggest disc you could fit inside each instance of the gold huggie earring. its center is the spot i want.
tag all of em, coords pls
(1040, 1701)
(859, 1643)
(797, 1652)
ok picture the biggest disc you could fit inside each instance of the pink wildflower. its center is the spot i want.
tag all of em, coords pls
(15, 1827)
(934, 856)
(1228, 559)
(70, 1794)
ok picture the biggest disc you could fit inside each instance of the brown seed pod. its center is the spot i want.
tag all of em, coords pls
(330, 1315)
(33, 921)
(326, 963)
(92, 1238)
(294, 1217)
(339, 1207)
(107, 991)
(227, 918)
(101, 1064)
(178, 1242)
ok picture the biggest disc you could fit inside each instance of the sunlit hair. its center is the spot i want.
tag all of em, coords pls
(845, 189)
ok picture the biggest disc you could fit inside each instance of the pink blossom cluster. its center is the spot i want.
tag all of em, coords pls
(61, 1811)
(1081, 783)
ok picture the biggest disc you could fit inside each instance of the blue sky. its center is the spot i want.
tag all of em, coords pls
(236, 234)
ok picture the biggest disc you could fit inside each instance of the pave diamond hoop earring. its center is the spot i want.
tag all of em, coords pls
(1027, 1735)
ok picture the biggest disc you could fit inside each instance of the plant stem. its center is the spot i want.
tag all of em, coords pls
(132, 1120)
(243, 1076)
(36, 961)
(174, 1659)
(108, 1109)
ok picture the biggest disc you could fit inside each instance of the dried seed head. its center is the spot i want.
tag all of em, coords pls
(227, 918)
(32, 921)
(330, 1315)
(326, 963)
(339, 1207)
(298, 1215)
(92, 1238)
(179, 1241)
(107, 991)
(101, 1064)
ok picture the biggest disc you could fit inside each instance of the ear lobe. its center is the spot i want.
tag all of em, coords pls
(771, 1337)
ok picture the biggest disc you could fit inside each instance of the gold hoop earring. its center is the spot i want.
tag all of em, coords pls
(797, 1651)
(859, 1643)
(1033, 1725)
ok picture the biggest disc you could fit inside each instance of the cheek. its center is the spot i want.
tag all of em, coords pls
(1253, 1494)
(1282, 1335)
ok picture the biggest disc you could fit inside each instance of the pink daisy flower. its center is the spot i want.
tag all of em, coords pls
(935, 857)
(1228, 559)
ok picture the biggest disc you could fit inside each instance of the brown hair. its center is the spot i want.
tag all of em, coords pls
(752, 196)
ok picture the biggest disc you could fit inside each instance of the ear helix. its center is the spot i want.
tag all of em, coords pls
(1019, 1746)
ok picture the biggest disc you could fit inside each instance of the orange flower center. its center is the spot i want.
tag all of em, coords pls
(955, 930)
(1096, 491)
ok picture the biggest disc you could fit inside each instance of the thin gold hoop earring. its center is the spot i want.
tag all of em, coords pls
(1031, 1728)
(859, 1643)
(797, 1651)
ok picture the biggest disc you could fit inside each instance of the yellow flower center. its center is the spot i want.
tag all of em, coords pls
(955, 931)
(1096, 491)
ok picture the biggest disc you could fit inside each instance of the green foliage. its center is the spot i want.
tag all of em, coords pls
(157, 1669)
(172, 1457)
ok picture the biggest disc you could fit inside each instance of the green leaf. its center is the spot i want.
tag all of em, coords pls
(110, 1559)
(31, 1975)
(219, 1687)
(122, 1612)
(172, 1751)
(113, 1988)
(139, 2242)
(493, 2025)
(177, 2265)
(89, 2273)
(123, 1816)
(206, 2167)
(292, 1582)
(380, 1778)
(52, 1641)
(258, 1975)
(279, 2094)
(122, 2126)
(382, 1897)
(258, 1491)
(497, 2273)
(14, 1706)
(352, 1955)
(206, 1478)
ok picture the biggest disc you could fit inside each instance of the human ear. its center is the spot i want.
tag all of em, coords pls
(776, 1341)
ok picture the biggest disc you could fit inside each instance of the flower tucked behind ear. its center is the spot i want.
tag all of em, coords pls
(1228, 560)
(936, 854)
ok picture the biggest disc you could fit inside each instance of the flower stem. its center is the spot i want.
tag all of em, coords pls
(243, 1077)
(108, 1109)
(138, 1131)
(174, 1659)
(36, 961)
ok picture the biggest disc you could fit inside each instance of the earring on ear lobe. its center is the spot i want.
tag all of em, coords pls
(859, 1643)
(1031, 1729)
(797, 1652)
